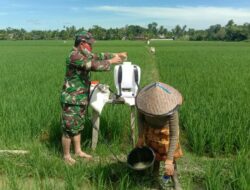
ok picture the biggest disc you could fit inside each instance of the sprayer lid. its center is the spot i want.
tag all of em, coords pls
(158, 99)
(127, 63)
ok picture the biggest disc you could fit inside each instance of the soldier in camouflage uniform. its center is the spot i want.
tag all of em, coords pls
(75, 91)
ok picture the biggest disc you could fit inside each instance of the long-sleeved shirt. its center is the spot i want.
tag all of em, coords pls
(79, 63)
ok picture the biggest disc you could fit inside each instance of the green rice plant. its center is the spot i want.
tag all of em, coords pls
(124, 183)
(240, 171)
(101, 184)
(30, 100)
(213, 79)
(215, 176)
(228, 173)
(12, 179)
(212, 76)
(70, 181)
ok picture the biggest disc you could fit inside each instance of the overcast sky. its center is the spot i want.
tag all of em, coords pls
(54, 14)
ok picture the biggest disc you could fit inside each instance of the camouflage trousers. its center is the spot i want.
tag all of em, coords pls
(72, 119)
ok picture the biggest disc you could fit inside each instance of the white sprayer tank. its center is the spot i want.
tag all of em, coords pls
(127, 79)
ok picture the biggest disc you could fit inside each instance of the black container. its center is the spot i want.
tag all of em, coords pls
(141, 158)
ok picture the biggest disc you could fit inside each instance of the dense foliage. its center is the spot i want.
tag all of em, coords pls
(229, 32)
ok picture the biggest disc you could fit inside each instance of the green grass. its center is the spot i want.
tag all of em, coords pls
(214, 80)
(212, 76)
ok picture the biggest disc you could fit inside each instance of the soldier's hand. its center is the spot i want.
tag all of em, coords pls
(123, 55)
(115, 60)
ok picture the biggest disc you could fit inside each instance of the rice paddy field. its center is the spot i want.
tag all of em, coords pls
(213, 78)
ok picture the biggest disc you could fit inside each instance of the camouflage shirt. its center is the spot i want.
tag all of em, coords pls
(79, 63)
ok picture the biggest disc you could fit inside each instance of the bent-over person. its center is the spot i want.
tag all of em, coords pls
(158, 124)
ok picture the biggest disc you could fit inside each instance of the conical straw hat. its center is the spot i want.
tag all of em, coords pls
(158, 99)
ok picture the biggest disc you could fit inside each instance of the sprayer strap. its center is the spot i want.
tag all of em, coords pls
(136, 75)
(120, 80)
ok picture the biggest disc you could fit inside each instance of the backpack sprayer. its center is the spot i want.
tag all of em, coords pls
(127, 78)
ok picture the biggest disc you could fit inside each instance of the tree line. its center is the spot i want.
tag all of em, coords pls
(230, 32)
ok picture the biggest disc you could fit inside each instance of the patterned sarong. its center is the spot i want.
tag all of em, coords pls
(158, 140)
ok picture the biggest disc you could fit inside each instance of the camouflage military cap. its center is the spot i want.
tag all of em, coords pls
(85, 36)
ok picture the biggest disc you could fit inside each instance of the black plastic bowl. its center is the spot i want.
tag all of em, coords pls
(141, 158)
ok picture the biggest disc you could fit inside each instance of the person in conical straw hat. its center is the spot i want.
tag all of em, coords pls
(158, 124)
